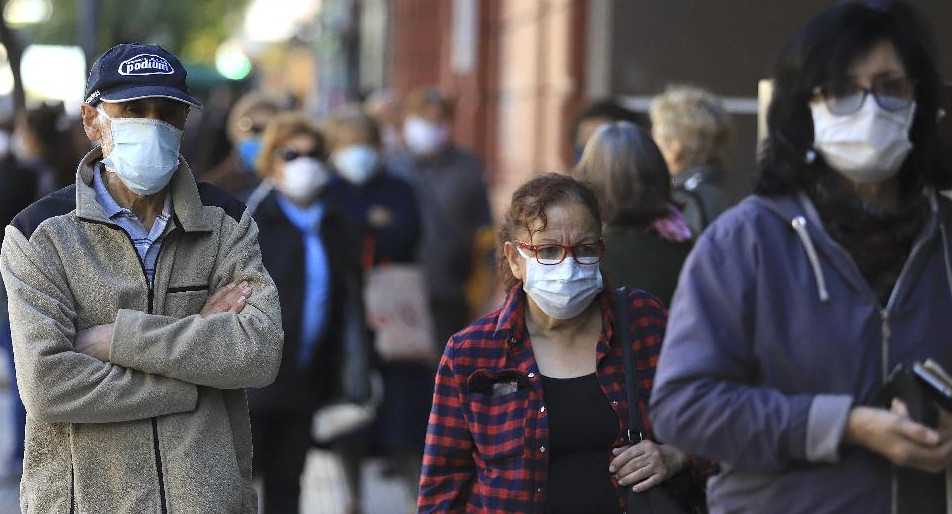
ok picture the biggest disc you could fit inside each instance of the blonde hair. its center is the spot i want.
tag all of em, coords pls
(279, 131)
(420, 98)
(350, 118)
(695, 118)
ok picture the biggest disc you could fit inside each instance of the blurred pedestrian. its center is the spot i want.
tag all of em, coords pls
(646, 238)
(386, 108)
(530, 412)
(596, 114)
(387, 208)
(313, 252)
(246, 123)
(42, 144)
(694, 133)
(140, 311)
(795, 306)
(17, 191)
(448, 182)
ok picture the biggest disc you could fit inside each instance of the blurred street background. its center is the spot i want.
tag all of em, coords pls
(520, 72)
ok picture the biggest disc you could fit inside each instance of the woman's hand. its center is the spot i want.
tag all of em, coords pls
(892, 434)
(646, 464)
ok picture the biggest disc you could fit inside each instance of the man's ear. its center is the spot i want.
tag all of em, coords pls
(89, 116)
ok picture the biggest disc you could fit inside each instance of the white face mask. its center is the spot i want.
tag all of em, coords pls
(868, 146)
(304, 177)
(145, 153)
(423, 137)
(561, 290)
(356, 163)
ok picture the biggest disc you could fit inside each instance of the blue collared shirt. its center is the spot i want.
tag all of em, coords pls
(147, 243)
(317, 287)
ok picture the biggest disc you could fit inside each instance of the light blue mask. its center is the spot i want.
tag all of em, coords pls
(248, 151)
(145, 153)
(356, 163)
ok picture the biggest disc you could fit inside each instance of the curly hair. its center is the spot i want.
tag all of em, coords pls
(528, 208)
(821, 53)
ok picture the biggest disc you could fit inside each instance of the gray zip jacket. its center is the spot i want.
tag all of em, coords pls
(773, 336)
(163, 427)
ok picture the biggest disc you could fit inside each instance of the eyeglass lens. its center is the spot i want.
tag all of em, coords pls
(891, 94)
(289, 155)
(554, 254)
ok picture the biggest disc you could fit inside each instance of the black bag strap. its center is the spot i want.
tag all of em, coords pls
(622, 328)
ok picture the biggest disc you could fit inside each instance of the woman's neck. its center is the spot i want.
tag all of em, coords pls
(542, 325)
(884, 195)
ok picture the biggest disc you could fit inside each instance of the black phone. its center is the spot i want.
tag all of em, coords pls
(935, 381)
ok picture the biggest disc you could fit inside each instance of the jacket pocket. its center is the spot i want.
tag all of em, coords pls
(185, 301)
(498, 423)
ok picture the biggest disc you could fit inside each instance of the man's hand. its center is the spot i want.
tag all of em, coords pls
(230, 298)
(95, 341)
(893, 435)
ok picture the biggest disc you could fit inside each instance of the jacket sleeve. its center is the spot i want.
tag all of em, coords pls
(448, 466)
(225, 351)
(58, 384)
(707, 398)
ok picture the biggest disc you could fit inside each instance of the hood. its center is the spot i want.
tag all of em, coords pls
(799, 213)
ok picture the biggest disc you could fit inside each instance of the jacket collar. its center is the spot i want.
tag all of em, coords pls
(189, 213)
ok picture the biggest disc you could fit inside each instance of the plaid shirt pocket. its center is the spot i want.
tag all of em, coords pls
(498, 422)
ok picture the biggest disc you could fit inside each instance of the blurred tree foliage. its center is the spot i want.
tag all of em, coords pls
(191, 29)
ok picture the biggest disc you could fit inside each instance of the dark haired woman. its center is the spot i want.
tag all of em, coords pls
(646, 237)
(794, 306)
(529, 411)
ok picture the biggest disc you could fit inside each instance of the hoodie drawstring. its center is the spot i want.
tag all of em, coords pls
(800, 226)
(945, 252)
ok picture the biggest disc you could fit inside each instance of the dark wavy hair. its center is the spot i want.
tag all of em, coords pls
(821, 53)
(529, 206)
(628, 173)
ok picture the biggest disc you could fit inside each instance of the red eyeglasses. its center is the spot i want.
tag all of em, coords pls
(552, 254)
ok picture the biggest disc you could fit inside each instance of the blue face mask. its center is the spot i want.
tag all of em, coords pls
(145, 153)
(248, 151)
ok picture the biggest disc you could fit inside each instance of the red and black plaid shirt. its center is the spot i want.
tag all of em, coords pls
(487, 440)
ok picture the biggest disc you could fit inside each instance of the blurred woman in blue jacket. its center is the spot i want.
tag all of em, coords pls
(312, 252)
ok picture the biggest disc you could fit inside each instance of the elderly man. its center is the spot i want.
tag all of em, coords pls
(130, 370)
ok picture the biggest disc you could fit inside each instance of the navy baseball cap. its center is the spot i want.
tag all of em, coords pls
(130, 71)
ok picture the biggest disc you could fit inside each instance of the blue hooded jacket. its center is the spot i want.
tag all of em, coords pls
(773, 336)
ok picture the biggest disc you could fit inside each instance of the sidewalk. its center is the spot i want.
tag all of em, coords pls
(324, 490)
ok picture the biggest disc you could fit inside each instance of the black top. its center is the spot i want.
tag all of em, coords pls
(582, 430)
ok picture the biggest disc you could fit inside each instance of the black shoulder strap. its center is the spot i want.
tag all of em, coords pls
(631, 383)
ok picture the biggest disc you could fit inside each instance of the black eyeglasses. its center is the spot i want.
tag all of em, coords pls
(552, 254)
(891, 94)
(289, 154)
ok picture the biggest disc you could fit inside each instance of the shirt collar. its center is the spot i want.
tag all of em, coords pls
(109, 206)
(306, 219)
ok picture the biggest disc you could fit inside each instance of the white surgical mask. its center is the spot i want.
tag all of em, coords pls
(423, 137)
(356, 163)
(145, 153)
(561, 290)
(303, 178)
(868, 146)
